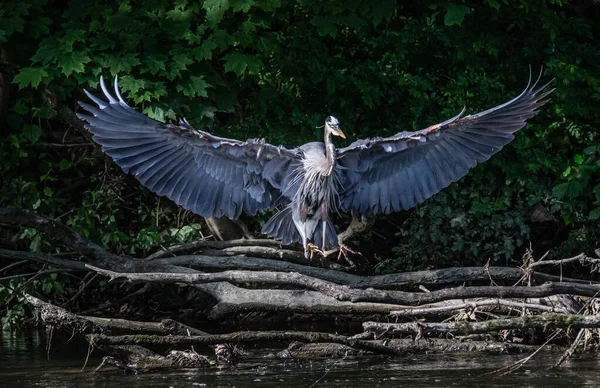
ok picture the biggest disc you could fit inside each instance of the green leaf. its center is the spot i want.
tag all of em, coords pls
(578, 159)
(73, 63)
(131, 84)
(494, 4)
(46, 51)
(567, 189)
(32, 132)
(196, 87)
(154, 64)
(204, 51)
(64, 164)
(181, 61)
(156, 113)
(215, 9)
(242, 5)
(455, 14)
(324, 26)
(178, 15)
(122, 64)
(594, 214)
(29, 76)
(382, 9)
(236, 62)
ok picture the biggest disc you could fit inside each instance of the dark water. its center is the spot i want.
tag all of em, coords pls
(24, 363)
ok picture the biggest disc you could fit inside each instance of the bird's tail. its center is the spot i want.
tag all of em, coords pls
(281, 227)
(331, 239)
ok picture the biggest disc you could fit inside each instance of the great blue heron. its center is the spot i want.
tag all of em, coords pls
(215, 176)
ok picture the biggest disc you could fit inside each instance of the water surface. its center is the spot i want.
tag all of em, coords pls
(24, 362)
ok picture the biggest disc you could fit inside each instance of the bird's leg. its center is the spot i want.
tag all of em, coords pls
(342, 251)
(323, 233)
(311, 249)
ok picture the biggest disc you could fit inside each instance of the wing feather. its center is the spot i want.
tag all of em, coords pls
(381, 175)
(206, 174)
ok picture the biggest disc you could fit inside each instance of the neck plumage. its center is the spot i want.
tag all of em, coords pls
(329, 153)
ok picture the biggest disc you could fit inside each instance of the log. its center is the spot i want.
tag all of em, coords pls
(242, 337)
(61, 318)
(542, 321)
(345, 293)
(437, 310)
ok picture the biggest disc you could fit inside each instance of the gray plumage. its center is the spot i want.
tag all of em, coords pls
(214, 176)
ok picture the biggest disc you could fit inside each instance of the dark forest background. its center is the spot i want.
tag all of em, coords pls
(276, 69)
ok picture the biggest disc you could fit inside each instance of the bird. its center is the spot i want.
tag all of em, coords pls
(216, 176)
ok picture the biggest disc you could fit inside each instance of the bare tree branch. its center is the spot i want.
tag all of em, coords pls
(439, 310)
(542, 321)
(243, 337)
(60, 317)
(71, 239)
(345, 293)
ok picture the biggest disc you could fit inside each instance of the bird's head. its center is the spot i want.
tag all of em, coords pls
(332, 125)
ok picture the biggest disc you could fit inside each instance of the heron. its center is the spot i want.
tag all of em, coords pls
(215, 176)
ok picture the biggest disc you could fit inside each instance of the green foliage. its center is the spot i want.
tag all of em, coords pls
(273, 69)
(15, 307)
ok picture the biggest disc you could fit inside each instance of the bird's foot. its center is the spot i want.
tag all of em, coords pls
(342, 252)
(311, 249)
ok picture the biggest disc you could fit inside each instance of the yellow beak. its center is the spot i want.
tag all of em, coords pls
(338, 132)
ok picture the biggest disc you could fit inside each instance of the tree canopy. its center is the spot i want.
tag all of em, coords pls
(276, 69)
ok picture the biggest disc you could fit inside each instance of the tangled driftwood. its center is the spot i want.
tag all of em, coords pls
(238, 283)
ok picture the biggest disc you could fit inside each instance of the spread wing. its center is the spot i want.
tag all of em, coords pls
(206, 174)
(383, 175)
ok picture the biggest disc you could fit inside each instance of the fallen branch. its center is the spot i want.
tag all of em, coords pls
(242, 337)
(62, 318)
(582, 258)
(438, 310)
(198, 245)
(71, 239)
(542, 321)
(344, 293)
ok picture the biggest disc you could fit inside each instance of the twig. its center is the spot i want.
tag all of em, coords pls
(13, 265)
(83, 287)
(569, 352)
(516, 365)
(581, 258)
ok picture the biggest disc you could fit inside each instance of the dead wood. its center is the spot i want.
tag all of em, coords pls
(344, 293)
(136, 359)
(242, 337)
(440, 310)
(542, 321)
(581, 258)
(206, 244)
(55, 229)
(61, 318)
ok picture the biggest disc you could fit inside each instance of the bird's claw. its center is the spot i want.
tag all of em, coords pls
(342, 252)
(311, 249)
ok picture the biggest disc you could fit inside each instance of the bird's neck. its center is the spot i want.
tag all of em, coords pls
(329, 154)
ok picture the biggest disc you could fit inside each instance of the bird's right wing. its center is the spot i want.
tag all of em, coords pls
(208, 175)
(383, 175)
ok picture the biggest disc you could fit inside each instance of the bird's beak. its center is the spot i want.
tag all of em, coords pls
(338, 132)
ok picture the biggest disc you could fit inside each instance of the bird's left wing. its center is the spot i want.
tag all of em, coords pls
(206, 174)
(383, 175)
